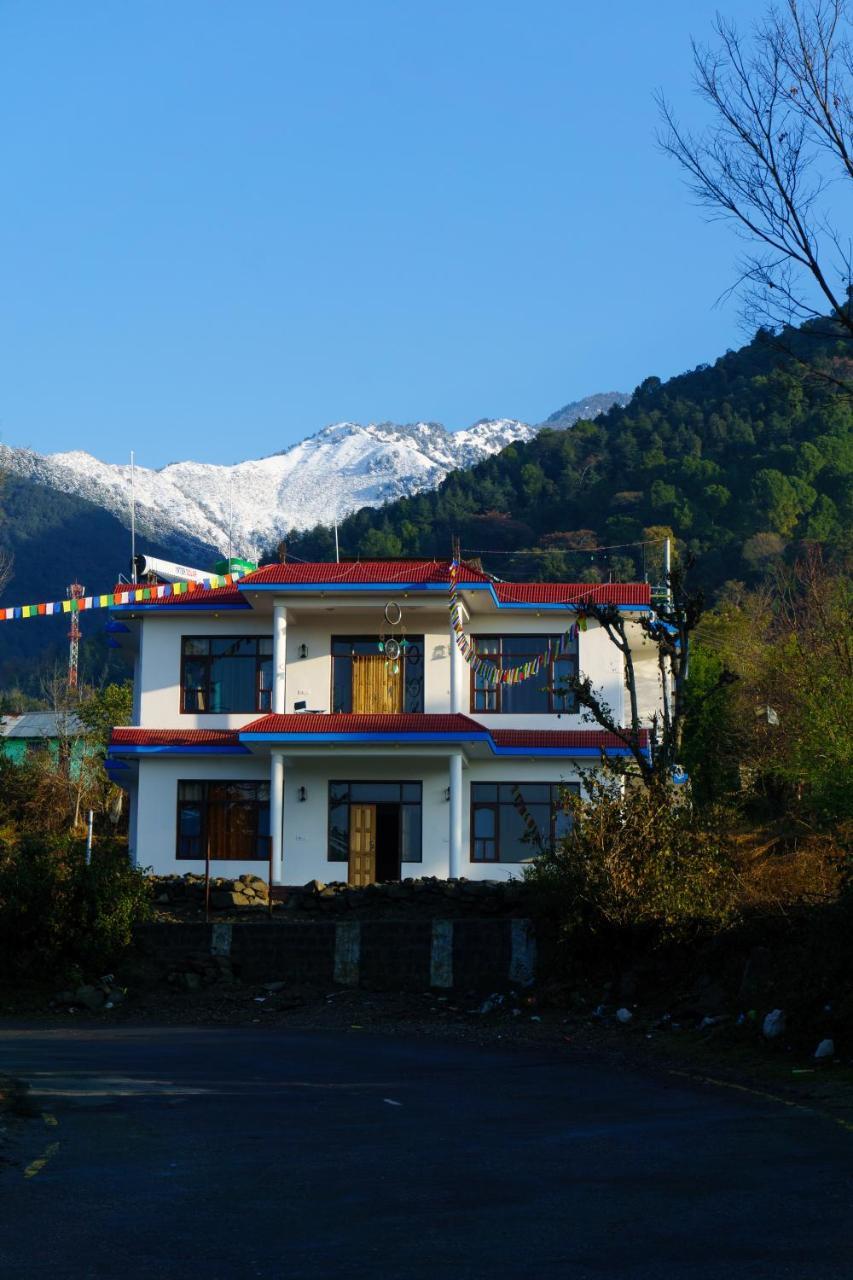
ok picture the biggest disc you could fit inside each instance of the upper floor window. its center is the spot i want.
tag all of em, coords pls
(226, 673)
(368, 679)
(542, 694)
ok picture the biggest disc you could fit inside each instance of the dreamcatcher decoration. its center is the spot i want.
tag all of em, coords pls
(487, 670)
(393, 648)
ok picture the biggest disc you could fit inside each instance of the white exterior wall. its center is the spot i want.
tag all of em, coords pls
(157, 808)
(158, 706)
(306, 822)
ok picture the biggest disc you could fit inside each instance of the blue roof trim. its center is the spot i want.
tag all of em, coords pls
(177, 749)
(383, 739)
(153, 606)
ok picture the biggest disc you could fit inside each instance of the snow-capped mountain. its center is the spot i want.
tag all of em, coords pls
(195, 505)
(339, 469)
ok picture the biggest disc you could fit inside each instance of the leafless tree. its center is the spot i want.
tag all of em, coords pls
(7, 564)
(656, 747)
(775, 158)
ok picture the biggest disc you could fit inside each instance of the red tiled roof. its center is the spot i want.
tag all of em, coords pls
(387, 573)
(561, 738)
(360, 572)
(410, 722)
(173, 737)
(462, 725)
(639, 593)
(195, 596)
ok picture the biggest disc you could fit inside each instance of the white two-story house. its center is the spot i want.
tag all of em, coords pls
(327, 721)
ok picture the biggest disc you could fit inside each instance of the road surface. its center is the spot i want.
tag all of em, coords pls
(219, 1154)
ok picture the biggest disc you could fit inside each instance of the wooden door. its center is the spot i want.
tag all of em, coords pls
(375, 689)
(362, 844)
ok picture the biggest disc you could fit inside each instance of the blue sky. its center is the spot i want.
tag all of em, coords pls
(224, 225)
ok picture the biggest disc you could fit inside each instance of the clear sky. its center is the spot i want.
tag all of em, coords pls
(227, 223)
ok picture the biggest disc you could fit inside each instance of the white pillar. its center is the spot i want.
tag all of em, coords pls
(454, 869)
(458, 672)
(277, 815)
(279, 657)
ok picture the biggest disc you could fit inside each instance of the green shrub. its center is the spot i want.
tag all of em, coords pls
(642, 860)
(55, 911)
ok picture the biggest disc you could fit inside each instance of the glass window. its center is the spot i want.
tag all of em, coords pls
(230, 820)
(540, 694)
(339, 832)
(514, 821)
(374, 792)
(407, 796)
(226, 673)
(410, 833)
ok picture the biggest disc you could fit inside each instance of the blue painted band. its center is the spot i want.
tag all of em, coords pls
(177, 749)
(153, 606)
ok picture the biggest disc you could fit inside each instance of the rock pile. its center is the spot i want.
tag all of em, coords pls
(94, 996)
(426, 895)
(225, 894)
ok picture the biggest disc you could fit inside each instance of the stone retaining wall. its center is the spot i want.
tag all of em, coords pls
(376, 955)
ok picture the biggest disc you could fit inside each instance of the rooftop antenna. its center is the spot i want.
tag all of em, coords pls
(230, 517)
(132, 519)
(337, 548)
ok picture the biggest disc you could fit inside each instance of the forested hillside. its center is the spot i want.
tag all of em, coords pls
(741, 459)
(55, 539)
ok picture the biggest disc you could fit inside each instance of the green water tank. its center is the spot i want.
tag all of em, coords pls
(234, 565)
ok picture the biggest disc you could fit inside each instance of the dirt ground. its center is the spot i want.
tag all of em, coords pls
(726, 1053)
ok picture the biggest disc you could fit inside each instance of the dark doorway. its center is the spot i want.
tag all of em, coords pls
(387, 842)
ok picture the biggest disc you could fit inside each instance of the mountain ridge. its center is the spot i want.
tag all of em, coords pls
(251, 504)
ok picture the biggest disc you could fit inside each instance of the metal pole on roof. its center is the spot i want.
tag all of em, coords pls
(667, 569)
(337, 548)
(230, 517)
(132, 520)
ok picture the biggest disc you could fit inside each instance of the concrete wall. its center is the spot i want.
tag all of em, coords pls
(404, 954)
(306, 822)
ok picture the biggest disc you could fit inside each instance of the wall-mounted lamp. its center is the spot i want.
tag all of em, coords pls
(303, 651)
(447, 793)
(302, 794)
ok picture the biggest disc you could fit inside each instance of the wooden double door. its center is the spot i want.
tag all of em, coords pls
(374, 843)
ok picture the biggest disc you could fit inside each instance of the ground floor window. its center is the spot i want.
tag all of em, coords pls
(395, 812)
(231, 820)
(513, 821)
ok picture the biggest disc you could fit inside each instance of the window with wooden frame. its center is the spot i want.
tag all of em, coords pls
(226, 673)
(515, 821)
(230, 819)
(365, 680)
(544, 694)
(407, 796)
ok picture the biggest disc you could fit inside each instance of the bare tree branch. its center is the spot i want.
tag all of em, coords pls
(775, 157)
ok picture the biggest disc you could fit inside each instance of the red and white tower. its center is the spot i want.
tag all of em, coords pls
(74, 592)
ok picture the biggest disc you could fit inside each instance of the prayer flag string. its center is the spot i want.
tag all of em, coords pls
(489, 672)
(132, 595)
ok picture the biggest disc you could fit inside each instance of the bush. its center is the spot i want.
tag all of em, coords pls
(636, 861)
(56, 911)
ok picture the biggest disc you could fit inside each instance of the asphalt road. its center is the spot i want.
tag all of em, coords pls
(212, 1154)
